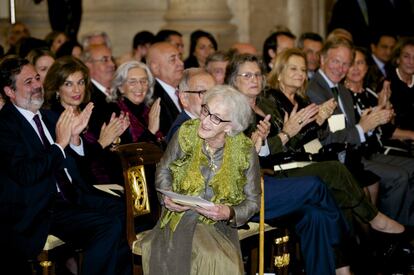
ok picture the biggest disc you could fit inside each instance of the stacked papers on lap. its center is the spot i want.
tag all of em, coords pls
(185, 199)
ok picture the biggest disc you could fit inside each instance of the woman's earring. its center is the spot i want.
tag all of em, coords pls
(57, 95)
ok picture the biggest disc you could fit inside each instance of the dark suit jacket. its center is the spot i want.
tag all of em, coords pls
(169, 111)
(318, 92)
(102, 111)
(347, 14)
(374, 76)
(28, 180)
(181, 118)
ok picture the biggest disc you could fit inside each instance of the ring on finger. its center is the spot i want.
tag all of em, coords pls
(300, 122)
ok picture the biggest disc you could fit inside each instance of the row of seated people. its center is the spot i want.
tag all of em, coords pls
(280, 126)
(385, 60)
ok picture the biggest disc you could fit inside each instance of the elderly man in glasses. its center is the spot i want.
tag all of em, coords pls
(99, 60)
(195, 82)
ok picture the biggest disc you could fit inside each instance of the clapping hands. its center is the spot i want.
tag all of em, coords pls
(114, 129)
(326, 109)
(373, 117)
(296, 120)
(261, 133)
(70, 125)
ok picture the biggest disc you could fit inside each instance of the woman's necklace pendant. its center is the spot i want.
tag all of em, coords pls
(211, 163)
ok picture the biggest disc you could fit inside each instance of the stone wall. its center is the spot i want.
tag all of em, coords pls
(229, 20)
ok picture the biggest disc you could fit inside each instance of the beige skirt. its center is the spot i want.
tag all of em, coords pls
(212, 253)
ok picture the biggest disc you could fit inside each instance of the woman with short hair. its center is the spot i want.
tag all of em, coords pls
(211, 158)
(134, 86)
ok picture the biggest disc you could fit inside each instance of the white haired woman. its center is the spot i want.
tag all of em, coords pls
(208, 157)
(134, 84)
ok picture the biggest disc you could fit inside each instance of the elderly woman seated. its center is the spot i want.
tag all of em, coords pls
(209, 157)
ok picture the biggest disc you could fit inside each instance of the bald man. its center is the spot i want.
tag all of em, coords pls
(244, 48)
(165, 64)
(195, 82)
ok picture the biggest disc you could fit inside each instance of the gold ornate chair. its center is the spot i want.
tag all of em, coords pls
(142, 201)
(43, 259)
(141, 198)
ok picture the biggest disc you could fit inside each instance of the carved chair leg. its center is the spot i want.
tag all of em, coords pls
(281, 253)
(45, 264)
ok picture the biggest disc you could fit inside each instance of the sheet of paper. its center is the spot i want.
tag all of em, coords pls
(185, 199)
(109, 187)
(336, 122)
(313, 146)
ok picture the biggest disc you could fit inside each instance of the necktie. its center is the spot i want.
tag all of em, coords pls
(178, 98)
(39, 126)
(335, 92)
(65, 186)
(384, 72)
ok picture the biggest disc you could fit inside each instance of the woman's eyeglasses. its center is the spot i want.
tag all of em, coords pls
(134, 82)
(250, 76)
(213, 118)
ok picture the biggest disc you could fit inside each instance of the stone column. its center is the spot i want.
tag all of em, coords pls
(305, 16)
(4, 22)
(212, 16)
(34, 16)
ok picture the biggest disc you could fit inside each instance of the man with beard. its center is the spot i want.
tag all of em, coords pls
(44, 193)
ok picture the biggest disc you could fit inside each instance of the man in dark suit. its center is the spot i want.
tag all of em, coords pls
(311, 43)
(166, 66)
(44, 188)
(195, 82)
(382, 46)
(99, 60)
(397, 173)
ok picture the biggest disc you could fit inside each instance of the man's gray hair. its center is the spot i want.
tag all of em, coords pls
(236, 103)
(187, 75)
(85, 41)
(121, 76)
(218, 56)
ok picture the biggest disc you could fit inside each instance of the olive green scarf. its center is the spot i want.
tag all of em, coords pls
(227, 184)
